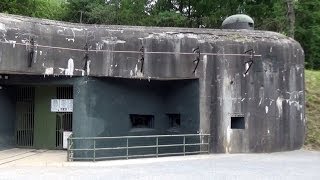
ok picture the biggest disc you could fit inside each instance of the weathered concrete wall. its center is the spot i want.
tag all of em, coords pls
(270, 95)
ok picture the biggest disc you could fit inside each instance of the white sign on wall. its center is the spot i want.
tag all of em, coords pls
(66, 135)
(61, 105)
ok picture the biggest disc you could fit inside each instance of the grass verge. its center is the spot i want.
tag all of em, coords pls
(313, 109)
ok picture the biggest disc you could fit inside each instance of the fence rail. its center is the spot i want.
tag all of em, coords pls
(200, 144)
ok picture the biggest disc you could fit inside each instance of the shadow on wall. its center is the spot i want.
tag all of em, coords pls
(7, 116)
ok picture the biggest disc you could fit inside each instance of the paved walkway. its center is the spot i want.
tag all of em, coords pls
(31, 157)
(40, 164)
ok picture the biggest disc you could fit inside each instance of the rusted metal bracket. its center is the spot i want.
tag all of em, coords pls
(197, 60)
(31, 53)
(251, 52)
(86, 58)
(141, 58)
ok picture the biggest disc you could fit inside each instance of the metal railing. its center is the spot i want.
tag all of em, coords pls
(185, 144)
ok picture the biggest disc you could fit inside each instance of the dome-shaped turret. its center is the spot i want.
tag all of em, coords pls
(238, 21)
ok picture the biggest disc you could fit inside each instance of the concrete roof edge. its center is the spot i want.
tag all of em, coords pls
(168, 30)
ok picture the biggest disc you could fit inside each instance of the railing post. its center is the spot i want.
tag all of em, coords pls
(94, 150)
(184, 145)
(208, 141)
(200, 145)
(127, 148)
(68, 149)
(157, 146)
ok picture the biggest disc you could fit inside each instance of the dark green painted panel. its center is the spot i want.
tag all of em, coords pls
(45, 120)
(7, 116)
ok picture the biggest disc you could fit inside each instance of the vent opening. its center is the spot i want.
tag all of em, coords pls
(237, 123)
(142, 121)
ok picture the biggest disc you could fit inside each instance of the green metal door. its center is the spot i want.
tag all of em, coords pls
(45, 120)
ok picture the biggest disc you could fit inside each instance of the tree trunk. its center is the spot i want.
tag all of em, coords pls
(290, 17)
(189, 13)
(181, 6)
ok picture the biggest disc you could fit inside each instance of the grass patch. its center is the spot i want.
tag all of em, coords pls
(313, 109)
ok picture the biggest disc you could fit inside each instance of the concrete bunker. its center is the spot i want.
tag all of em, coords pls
(243, 87)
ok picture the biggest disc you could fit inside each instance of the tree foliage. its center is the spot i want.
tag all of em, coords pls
(308, 30)
(49, 9)
(270, 15)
